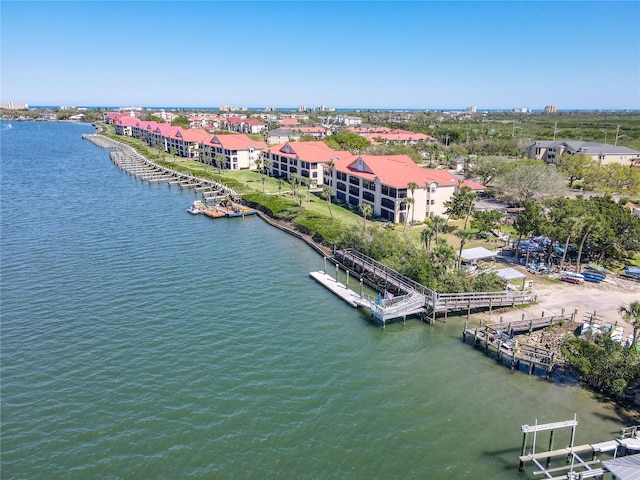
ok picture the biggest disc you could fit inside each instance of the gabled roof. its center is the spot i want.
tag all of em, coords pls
(194, 135)
(236, 141)
(148, 126)
(289, 121)
(166, 129)
(126, 121)
(475, 186)
(315, 152)
(393, 170)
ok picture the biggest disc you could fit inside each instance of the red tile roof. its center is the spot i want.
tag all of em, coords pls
(393, 170)
(315, 152)
(473, 185)
(236, 141)
(126, 121)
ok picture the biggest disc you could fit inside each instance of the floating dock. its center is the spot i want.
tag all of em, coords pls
(341, 290)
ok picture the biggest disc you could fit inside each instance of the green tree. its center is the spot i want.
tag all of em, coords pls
(463, 235)
(574, 166)
(528, 221)
(412, 187)
(180, 122)
(366, 210)
(326, 193)
(439, 223)
(486, 170)
(220, 161)
(487, 221)
(426, 235)
(409, 201)
(461, 205)
(347, 140)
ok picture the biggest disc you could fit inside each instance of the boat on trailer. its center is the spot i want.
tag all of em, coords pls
(570, 277)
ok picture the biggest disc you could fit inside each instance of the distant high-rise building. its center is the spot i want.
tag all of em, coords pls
(550, 109)
(15, 106)
(471, 109)
(302, 108)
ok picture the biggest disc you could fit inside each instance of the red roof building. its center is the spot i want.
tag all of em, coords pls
(305, 159)
(385, 181)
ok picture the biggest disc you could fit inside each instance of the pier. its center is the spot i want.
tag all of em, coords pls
(404, 297)
(130, 161)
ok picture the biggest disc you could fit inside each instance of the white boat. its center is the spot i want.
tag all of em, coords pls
(197, 208)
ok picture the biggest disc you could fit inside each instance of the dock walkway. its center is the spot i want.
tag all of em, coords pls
(404, 297)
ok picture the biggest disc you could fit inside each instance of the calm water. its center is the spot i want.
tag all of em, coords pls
(141, 342)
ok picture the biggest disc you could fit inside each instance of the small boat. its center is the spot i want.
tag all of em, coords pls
(197, 208)
(569, 277)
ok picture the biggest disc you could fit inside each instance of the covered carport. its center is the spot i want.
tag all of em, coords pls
(510, 274)
(472, 255)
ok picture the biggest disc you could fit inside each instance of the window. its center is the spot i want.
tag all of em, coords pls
(353, 200)
(354, 180)
(369, 185)
(341, 176)
(341, 186)
(433, 202)
(354, 191)
(368, 196)
(388, 203)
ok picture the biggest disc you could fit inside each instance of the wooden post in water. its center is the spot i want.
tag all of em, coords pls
(468, 309)
(522, 451)
(360, 287)
(325, 265)
(464, 333)
(337, 268)
(347, 283)
(446, 311)
(550, 448)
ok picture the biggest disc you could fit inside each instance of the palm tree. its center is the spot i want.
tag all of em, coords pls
(572, 225)
(438, 222)
(467, 199)
(631, 315)
(280, 186)
(587, 229)
(412, 186)
(326, 193)
(426, 235)
(330, 165)
(267, 166)
(366, 210)
(463, 235)
(409, 201)
(307, 183)
(220, 160)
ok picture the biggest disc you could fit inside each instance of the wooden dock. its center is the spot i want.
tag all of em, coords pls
(412, 298)
(498, 338)
(341, 290)
(135, 164)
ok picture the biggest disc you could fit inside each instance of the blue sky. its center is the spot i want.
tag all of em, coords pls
(405, 54)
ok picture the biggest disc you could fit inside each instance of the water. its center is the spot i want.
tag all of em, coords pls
(141, 342)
